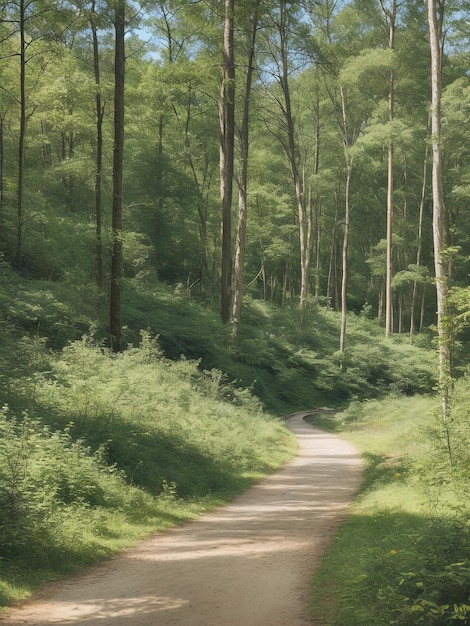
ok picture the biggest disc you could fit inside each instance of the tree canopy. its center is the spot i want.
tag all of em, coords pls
(328, 213)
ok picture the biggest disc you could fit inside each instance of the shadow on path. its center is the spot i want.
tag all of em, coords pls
(246, 564)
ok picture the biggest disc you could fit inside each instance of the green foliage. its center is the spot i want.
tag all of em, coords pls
(403, 556)
(288, 358)
(407, 572)
(111, 447)
(161, 420)
(43, 473)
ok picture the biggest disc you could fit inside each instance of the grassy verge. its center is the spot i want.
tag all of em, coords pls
(99, 450)
(403, 555)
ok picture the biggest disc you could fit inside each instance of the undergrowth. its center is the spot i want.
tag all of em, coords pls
(97, 450)
(287, 357)
(403, 556)
(101, 449)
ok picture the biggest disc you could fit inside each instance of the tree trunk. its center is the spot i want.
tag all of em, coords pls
(347, 213)
(201, 204)
(22, 133)
(317, 206)
(318, 242)
(329, 290)
(99, 154)
(303, 210)
(2, 156)
(118, 156)
(243, 183)
(344, 278)
(227, 137)
(389, 272)
(421, 317)
(391, 15)
(420, 245)
(435, 18)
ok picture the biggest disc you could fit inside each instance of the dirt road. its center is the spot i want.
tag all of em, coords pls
(246, 564)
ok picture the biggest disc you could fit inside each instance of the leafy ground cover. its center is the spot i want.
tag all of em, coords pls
(98, 450)
(403, 556)
(288, 358)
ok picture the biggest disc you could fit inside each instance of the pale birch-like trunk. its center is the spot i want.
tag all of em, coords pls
(420, 245)
(304, 211)
(344, 278)
(435, 18)
(347, 214)
(391, 16)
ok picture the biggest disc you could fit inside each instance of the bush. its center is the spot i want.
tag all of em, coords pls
(427, 581)
(42, 472)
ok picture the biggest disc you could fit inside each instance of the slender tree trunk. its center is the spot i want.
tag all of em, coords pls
(391, 15)
(118, 156)
(263, 276)
(344, 278)
(330, 279)
(227, 137)
(243, 183)
(421, 317)
(318, 207)
(420, 244)
(99, 154)
(318, 231)
(303, 210)
(46, 147)
(380, 307)
(400, 314)
(159, 165)
(2, 156)
(347, 215)
(435, 18)
(22, 134)
(201, 203)
(389, 271)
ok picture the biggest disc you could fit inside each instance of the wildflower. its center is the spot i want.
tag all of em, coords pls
(393, 551)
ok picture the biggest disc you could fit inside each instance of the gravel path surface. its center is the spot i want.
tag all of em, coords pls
(246, 564)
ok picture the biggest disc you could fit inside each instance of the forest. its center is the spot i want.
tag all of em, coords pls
(213, 214)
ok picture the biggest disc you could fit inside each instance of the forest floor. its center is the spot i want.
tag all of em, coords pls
(246, 564)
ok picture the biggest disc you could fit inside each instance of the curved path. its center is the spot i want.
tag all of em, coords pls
(246, 564)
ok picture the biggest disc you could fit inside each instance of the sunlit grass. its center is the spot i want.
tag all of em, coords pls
(402, 557)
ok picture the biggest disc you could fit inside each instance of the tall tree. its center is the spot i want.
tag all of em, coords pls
(347, 219)
(390, 13)
(23, 7)
(35, 40)
(281, 45)
(99, 145)
(243, 176)
(227, 139)
(118, 158)
(435, 22)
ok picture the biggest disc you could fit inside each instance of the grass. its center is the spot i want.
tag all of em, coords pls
(403, 555)
(172, 426)
(107, 449)
(82, 535)
(288, 358)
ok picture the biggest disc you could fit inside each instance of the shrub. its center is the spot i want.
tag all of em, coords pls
(41, 472)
